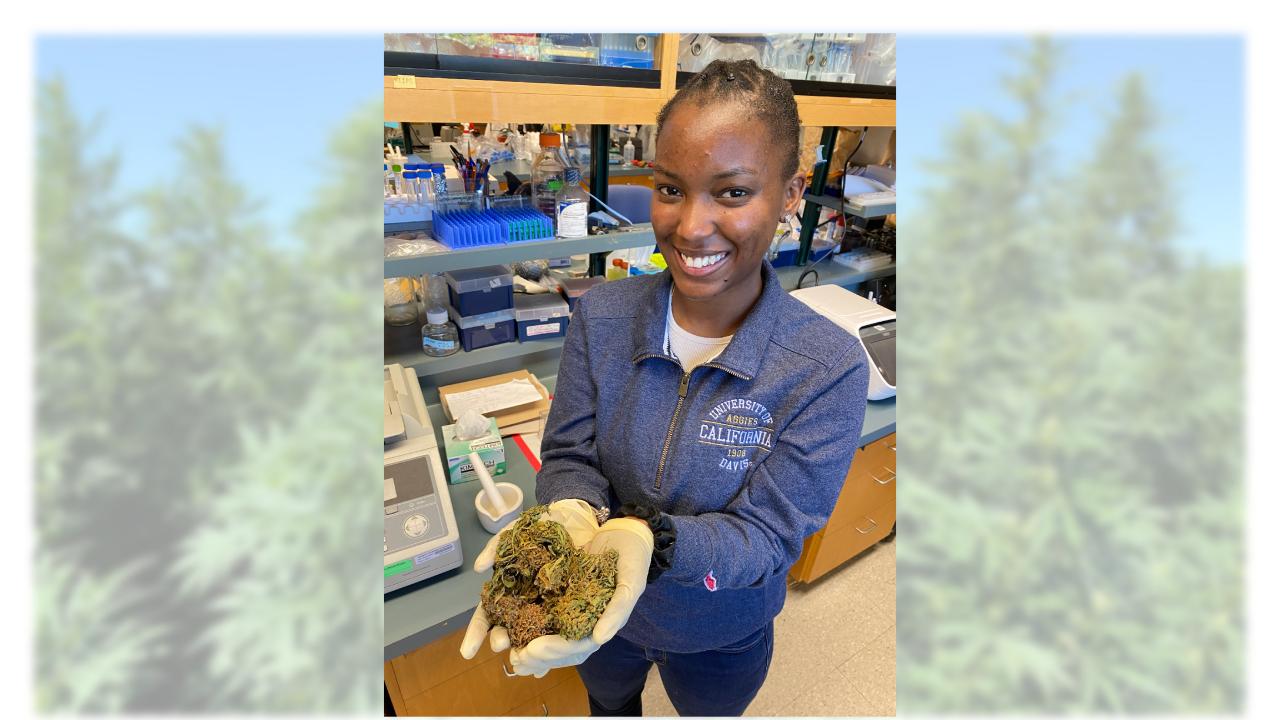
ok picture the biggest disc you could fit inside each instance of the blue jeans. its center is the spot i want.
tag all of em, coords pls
(720, 682)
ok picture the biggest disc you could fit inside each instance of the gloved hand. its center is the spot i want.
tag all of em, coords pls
(578, 519)
(634, 542)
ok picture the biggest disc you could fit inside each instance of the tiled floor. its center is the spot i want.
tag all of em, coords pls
(834, 643)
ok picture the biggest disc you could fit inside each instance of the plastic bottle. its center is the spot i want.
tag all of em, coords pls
(618, 270)
(548, 174)
(439, 180)
(411, 185)
(572, 206)
(439, 336)
(628, 152)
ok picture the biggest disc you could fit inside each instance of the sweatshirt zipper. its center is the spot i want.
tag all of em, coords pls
(671, 429)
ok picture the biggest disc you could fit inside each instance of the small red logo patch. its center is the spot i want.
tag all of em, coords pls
(710, 580)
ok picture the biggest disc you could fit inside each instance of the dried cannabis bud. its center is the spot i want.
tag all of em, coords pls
(543, 585)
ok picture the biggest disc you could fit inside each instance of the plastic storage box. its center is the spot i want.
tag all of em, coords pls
(480, 290)
(480, 331)
(573, 288)
(542, 316)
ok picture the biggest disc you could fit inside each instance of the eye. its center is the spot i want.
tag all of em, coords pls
(736, 193)
(669, 191)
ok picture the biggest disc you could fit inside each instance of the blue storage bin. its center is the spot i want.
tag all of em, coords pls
(574, 288)
(480, 331)
(480, 290)
(541, 317)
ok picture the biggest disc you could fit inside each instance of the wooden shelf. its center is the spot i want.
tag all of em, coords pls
(450, 100)
(457, 100)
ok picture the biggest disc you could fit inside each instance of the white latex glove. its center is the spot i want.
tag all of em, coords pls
(634, 542)
(578, 519)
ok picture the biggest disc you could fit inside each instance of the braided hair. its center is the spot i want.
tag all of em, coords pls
(757, 89)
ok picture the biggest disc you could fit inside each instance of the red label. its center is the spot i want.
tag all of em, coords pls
(710, 580)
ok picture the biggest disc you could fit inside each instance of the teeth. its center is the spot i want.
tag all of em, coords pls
(701, 262)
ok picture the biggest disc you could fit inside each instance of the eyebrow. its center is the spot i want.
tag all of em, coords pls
(739, 170)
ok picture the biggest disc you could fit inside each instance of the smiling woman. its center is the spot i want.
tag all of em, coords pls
(641, 423)
(725, 175)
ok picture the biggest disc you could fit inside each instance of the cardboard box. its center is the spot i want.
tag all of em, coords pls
(507, 416)
(458, 453)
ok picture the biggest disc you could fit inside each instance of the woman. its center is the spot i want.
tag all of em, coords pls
(711, 414)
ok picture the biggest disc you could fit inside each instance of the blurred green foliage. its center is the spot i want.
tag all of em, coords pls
(206, 411)
(1072, 507)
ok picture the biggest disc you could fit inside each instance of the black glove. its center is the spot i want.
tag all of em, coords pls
(664, 535)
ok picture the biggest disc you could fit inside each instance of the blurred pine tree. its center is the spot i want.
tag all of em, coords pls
(1071, 512)
(206, 397)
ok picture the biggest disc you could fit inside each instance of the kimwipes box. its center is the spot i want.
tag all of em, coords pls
(458, 453)
(510, 398)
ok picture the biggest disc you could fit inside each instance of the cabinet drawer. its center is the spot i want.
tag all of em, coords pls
(568, 699)
(833, 546)
(435, 662)
(483, 690)
(869, 483)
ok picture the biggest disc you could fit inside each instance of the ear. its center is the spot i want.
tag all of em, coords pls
(792, 194)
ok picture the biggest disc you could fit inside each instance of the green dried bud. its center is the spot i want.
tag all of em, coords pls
(543, 585)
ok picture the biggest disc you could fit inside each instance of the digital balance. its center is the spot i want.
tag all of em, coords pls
(420, 533)
(873, 325)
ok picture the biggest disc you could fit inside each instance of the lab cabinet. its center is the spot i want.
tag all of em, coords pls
(435, 680)
(864, 513)
(861, 59)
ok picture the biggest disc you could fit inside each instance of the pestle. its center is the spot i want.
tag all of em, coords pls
(490, 490)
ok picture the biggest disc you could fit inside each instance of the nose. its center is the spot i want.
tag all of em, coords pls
(697, 220)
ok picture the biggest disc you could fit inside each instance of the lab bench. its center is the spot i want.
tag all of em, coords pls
(428, 611)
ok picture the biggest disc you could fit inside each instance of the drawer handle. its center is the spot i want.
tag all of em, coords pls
(506, 672)
(545, 712)
(891, 477)
(873, 527)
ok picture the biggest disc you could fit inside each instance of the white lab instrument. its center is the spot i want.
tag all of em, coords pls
(420, 534)
(874, 326)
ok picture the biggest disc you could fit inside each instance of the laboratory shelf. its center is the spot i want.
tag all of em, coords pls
(439, 152)
(834, 203)
(832, 273)
(402, 343)
(427, 366)
(513, 252)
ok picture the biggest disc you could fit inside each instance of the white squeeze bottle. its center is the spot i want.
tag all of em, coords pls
(572, 204)
(628, 152)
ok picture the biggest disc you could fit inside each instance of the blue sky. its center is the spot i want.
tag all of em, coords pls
(1195, 82)
(278, 100)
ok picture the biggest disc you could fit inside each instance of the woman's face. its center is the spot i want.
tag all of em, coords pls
(719, 194)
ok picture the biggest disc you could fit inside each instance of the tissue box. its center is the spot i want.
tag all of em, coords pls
(458, 453)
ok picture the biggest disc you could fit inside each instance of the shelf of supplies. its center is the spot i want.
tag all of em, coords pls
(834, 203)
(829, 273)
(426, 366)
(832, 273)
(513, 252)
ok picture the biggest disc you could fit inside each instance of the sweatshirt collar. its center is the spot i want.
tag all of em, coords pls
(745, 351)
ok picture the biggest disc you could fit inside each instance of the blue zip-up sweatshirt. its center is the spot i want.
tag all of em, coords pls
(747, 452)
